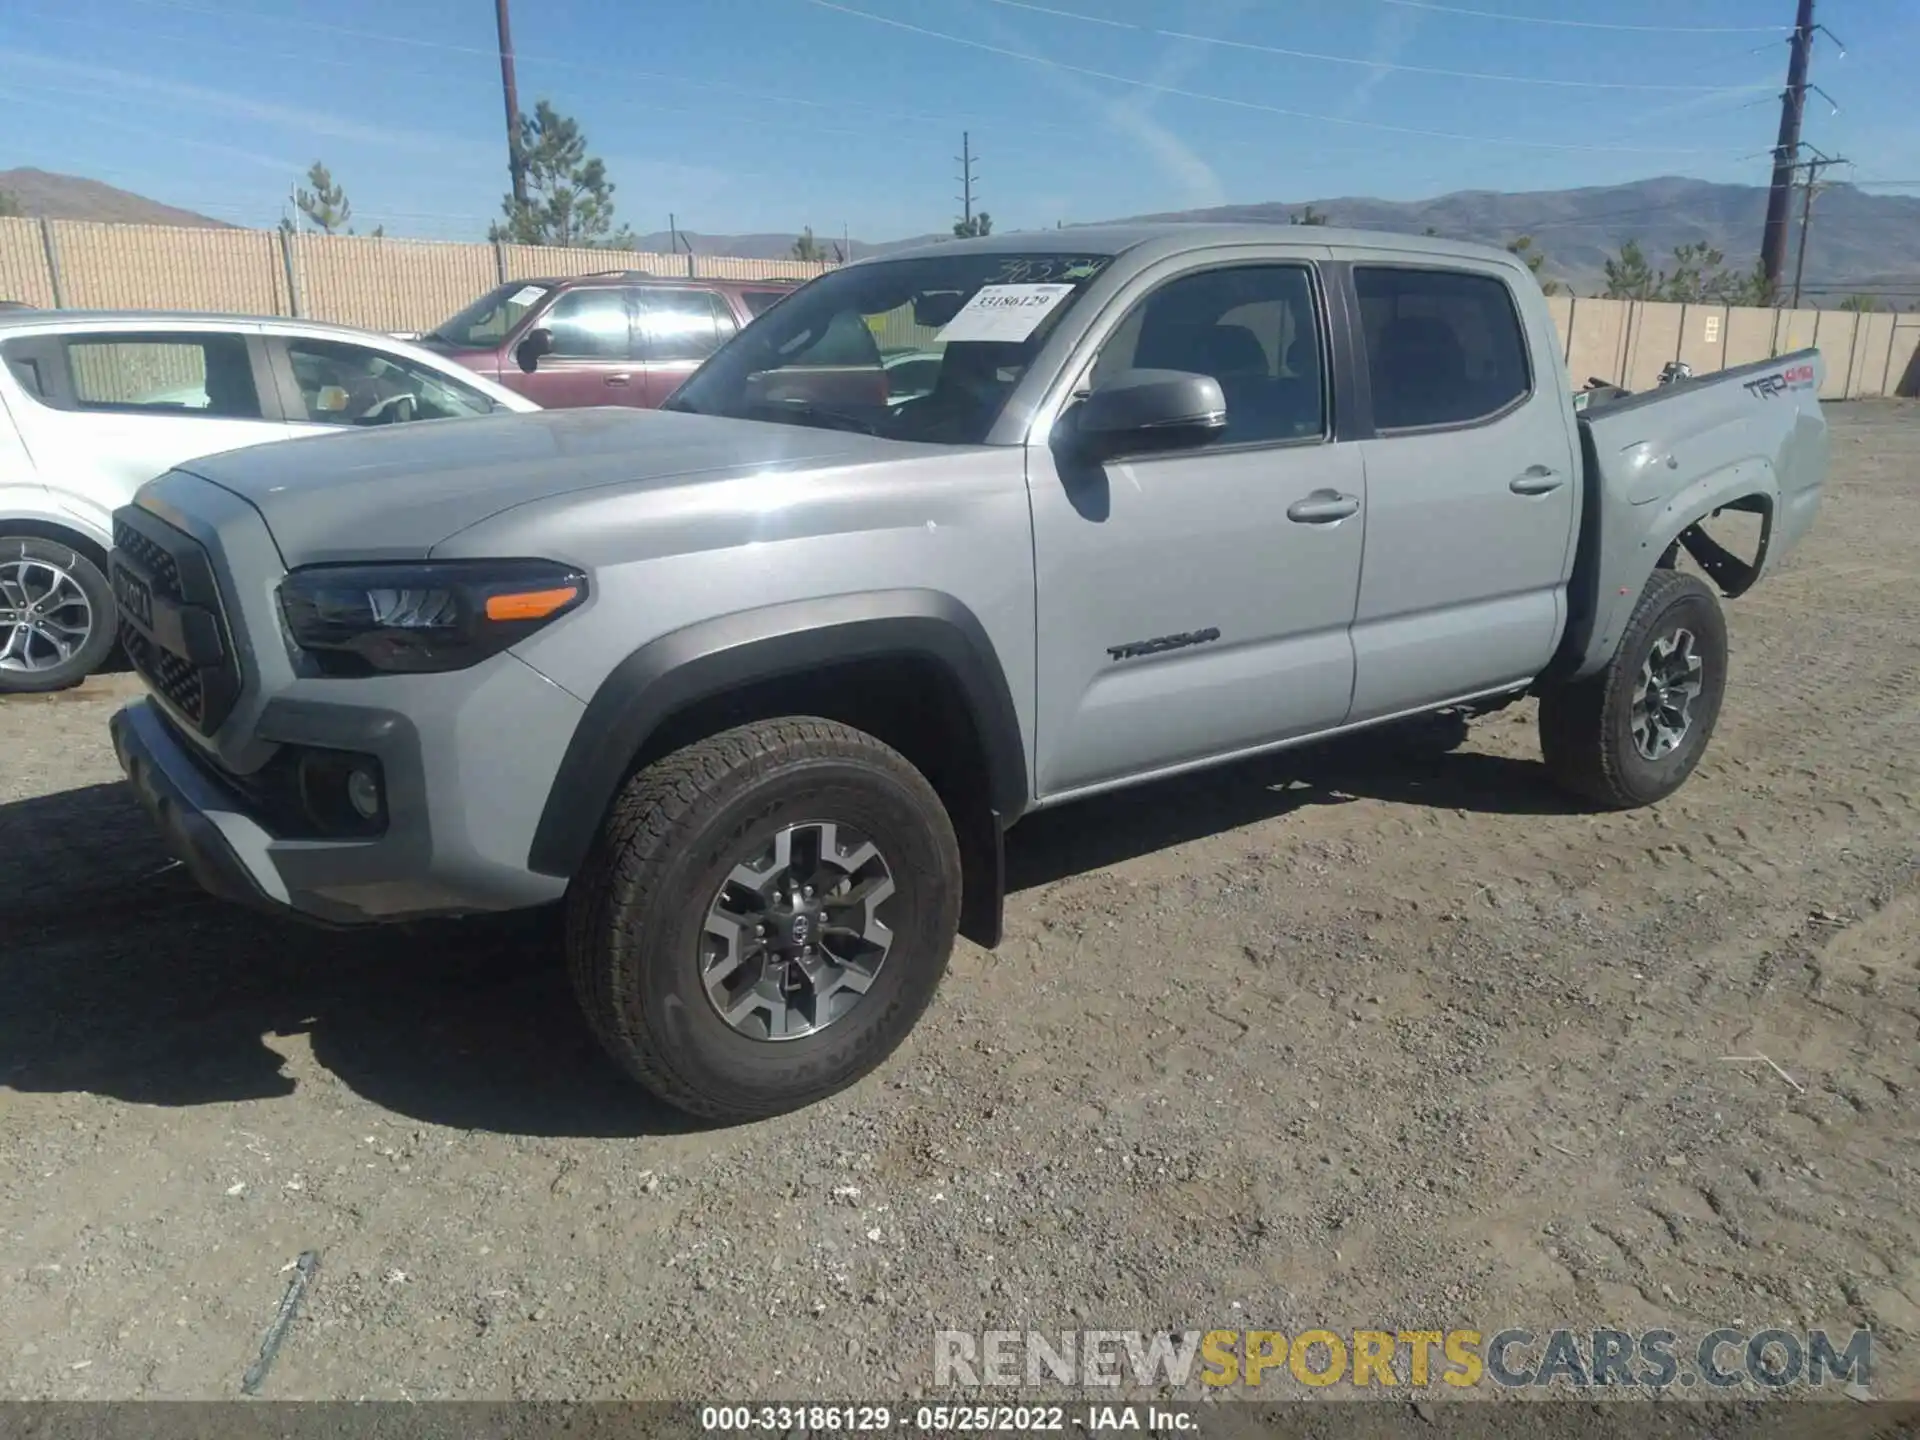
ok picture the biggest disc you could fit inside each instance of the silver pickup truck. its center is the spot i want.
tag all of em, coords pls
(754, 685)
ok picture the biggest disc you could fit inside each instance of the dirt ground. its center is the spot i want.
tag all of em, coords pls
(1376, 1035)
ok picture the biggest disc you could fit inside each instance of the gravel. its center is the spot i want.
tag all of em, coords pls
(1382, 1034)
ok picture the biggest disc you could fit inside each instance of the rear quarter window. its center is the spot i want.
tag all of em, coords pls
(758, 302)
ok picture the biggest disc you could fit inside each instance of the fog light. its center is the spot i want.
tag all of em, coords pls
(363, 793)
(344, 794)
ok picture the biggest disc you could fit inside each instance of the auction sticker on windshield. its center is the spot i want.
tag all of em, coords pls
(1008, 313)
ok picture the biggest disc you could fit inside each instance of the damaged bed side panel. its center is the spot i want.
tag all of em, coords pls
(1660, 463)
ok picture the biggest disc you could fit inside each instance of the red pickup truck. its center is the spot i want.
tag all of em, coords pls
(619, 338)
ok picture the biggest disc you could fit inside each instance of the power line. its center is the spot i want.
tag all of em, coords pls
(1365, 64)
(522, 57)
(1433, 8)
(1159, 89)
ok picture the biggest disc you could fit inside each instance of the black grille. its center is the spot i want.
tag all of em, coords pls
(149, 556)
(201, 682)
(172, 678)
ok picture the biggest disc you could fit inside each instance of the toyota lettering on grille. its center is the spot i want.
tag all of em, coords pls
(133, 596)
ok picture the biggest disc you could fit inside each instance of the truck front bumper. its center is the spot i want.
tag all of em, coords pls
(232, 850)
(195, 820)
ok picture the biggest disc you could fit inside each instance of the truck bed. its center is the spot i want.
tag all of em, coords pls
(1658, 464)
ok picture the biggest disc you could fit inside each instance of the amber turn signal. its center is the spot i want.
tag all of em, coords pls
(531, 604)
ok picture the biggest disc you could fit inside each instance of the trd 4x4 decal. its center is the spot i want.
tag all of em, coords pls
(1796, 377)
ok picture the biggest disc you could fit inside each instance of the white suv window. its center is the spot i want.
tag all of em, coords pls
(343, 384)
(203, 375)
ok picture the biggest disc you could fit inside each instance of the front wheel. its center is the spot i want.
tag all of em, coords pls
(56, 616)
(1631, 734)
(764, 917)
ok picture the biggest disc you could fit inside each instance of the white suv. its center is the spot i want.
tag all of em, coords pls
(95, 403)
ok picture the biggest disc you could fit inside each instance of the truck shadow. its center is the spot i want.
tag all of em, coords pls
(123, 979)
(1411, 763)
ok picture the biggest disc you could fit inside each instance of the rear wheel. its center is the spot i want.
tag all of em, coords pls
(765, 916)
(1632, 734)
(56, 616)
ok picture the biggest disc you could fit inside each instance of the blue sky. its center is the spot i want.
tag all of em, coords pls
(748, 115)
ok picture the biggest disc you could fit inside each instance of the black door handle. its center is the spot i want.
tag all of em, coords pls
(1323, 507)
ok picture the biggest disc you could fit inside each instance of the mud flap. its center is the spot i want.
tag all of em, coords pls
(983, 896)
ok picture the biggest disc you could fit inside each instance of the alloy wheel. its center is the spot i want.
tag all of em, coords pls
(793, 939)
(45, 616)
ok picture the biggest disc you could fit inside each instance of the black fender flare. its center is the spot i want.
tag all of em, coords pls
(708, 658)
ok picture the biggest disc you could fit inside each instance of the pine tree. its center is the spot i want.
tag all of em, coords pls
(569, 198)
(326, 205)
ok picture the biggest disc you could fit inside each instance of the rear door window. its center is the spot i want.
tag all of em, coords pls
(1444, 347)
(209, 376)
(761, 301)
(683, 324)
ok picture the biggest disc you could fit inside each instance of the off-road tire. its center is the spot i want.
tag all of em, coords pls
(635, 913)
(1585, 726)
(98, 645)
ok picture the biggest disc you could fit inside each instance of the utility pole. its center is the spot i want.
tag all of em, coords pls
(1786, 150)
(516, 163)
(1809, 188)
(966, 158)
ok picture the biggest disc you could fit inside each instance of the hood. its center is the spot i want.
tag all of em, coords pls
(392, 494)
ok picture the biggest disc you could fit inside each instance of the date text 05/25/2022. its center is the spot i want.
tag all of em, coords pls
(946, 1419)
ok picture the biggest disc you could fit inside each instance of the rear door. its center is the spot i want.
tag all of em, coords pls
(109, 410)
(678, 329)
(1472, 486)
(592, 361)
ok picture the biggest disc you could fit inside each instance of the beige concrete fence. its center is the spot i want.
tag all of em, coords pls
(387, 284)
(383, 284)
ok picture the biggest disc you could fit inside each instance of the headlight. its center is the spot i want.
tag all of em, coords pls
(441, 615)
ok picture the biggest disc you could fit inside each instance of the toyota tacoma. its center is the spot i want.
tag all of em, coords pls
(753, 686)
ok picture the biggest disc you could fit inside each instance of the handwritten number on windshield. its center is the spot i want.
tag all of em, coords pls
(1031, 270)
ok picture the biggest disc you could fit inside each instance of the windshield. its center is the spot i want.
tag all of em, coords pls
(491, 318)
(926, 349)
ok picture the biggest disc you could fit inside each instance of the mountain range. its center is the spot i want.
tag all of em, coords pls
(73, 197)
(1860, 242)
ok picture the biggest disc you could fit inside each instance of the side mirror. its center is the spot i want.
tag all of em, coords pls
(1147, 411)
(528, 351)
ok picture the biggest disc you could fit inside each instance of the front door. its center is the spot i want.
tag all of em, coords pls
(592, 361)
(1472, 489)
(1198, 603)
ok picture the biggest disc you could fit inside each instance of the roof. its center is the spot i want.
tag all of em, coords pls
(652, 279)
(1172, 236)
(58, 319)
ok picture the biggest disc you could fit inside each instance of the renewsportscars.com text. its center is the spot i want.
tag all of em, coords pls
(1415, 1359)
